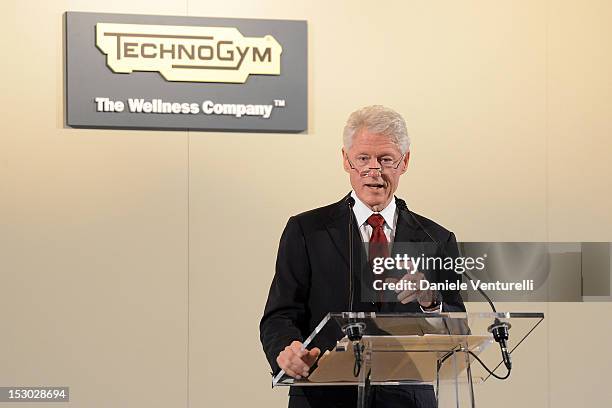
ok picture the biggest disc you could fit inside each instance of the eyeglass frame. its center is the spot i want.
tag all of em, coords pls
(364, 173)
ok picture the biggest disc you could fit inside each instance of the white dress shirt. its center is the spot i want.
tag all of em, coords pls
(363, 212)
(389, 213)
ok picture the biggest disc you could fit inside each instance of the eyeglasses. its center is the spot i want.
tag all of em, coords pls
(362, 163)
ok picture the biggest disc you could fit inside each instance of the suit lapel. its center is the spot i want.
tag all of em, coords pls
(407, 230)
(337, 227)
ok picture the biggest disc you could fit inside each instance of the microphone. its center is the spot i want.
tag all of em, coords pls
(350, 202)
(401, 204)
(499, 329)
(353, 330)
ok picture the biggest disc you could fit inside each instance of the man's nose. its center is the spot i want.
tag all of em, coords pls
(374, 163)
(374, 172)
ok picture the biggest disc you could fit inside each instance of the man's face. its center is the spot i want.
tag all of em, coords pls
(374, 188)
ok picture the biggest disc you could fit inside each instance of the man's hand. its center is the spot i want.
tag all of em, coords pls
(424, 297)
(295, 361)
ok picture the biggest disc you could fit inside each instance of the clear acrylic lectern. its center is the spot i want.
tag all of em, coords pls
(414, 348)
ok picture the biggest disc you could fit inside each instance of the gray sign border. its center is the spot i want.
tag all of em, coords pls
(298, 117)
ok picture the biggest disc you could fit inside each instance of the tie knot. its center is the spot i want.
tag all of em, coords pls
(376, 220)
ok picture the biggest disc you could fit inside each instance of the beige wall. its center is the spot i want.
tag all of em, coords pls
(134, 265)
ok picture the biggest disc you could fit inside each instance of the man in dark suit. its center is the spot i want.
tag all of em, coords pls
(312, 269)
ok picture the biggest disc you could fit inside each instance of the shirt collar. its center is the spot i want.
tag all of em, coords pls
(363, 212)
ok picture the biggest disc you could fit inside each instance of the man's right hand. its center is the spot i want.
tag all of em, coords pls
(295, 361)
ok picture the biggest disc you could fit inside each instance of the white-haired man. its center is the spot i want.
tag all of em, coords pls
(312, 270)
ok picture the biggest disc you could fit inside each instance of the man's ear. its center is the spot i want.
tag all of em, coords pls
(345, 162)
(406, 160)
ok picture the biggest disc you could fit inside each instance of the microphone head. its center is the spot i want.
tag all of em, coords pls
(401, 204)
(350, 201)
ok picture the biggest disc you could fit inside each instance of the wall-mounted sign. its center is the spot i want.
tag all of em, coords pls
(135, 71)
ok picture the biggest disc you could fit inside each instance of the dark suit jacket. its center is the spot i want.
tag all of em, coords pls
(312, 275)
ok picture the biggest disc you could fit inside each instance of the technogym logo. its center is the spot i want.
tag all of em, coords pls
(185, 53)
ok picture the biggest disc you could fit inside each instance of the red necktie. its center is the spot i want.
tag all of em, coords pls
(379, 245)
